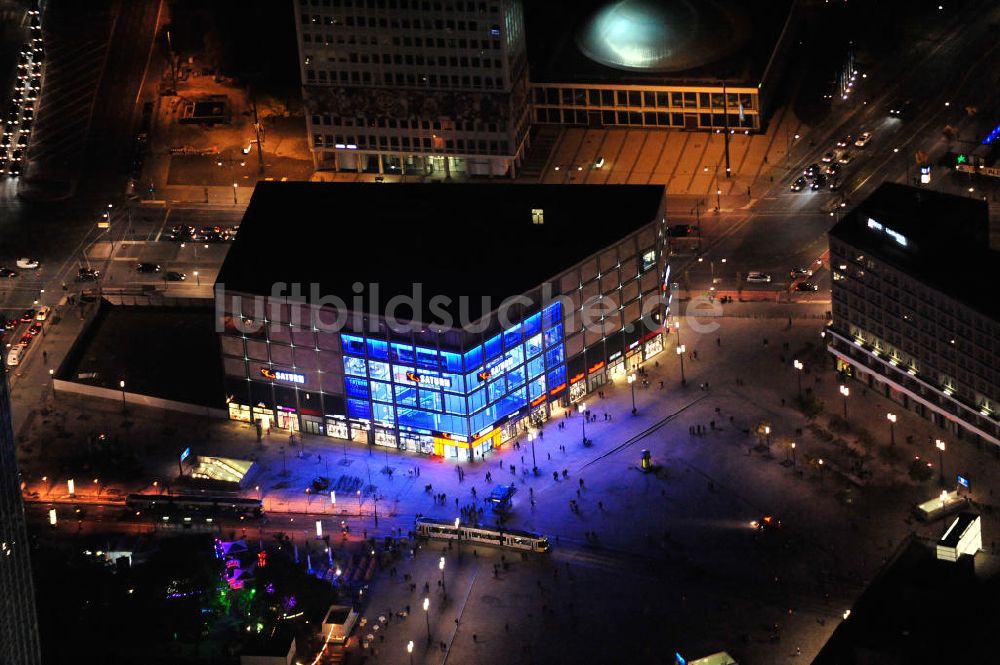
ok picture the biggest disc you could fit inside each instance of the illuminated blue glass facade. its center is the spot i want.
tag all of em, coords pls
(435, 391)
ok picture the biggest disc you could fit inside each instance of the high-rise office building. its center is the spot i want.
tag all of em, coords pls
(915, 313)
(18, 623)
(415, 87)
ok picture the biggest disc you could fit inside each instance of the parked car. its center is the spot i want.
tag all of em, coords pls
(758, 277)
(175, 276)
(87, 275)
(806, 286)
(26, 263)
(7, 272)
(148, 267)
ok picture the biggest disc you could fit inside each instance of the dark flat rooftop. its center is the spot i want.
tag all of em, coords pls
(166, 352)
(752, 27)
(947, 241)
(473, 240)
(921, 610)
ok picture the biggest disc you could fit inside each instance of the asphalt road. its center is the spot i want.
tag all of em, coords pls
(784, 229)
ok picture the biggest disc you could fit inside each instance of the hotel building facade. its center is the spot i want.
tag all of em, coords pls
(915, 315)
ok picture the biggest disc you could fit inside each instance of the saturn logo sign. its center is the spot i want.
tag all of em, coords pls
(282, 376)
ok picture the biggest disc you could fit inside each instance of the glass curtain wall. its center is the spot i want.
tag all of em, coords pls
(422, 390)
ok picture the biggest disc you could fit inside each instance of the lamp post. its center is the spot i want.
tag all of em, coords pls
(409, 650)
(582, 408)
(891, 417)
(793, 454)
(235, 187)
(427, 617)
(631, 383)
(52, 381)
(121, 384)
(458, 532)
(680, 353)
(767, 437)
(797, 365)
(197, 278)
(441, 568)
(359, 503)
(845, 391)
(940, 446)
(821, 471)
(531, 440)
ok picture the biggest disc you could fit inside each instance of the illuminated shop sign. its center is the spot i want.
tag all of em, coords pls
(439, 381)
(498, 366)
(895, 235)
(283, 376)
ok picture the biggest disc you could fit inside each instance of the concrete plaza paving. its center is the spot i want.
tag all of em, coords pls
(675, 564)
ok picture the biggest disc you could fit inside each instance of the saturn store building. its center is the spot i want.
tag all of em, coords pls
(515, 298)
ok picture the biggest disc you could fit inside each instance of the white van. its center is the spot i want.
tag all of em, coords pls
(15, 356)
(43, 313)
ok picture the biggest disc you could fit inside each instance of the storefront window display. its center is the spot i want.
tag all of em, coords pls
(337, 428)
(654, 346)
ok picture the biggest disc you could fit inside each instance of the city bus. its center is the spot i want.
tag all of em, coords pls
(428, 527)
(501, 498)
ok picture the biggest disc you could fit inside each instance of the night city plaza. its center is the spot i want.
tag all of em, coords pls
(513, 331)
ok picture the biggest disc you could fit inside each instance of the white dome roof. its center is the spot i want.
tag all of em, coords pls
(659, 36)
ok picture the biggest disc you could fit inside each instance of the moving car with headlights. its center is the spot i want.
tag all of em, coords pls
(806, 286)
(863, 139)
(758, 277)
(799, 184)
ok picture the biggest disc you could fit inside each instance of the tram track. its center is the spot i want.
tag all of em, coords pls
(644, 433)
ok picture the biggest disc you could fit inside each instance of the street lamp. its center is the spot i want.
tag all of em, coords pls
(121, 384)
(767, 437)
(680, 352)
(631, 383)
(531, 440)
(359, 503)
(441, 568)
(235, 186)
(793, 454)
(582, 408)
(797, 365)
(845, 391)
(409, 650)
(891, 417)
(427, 616)
(458, 532)
(821, 471)
(940, 446)
(197, 279)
